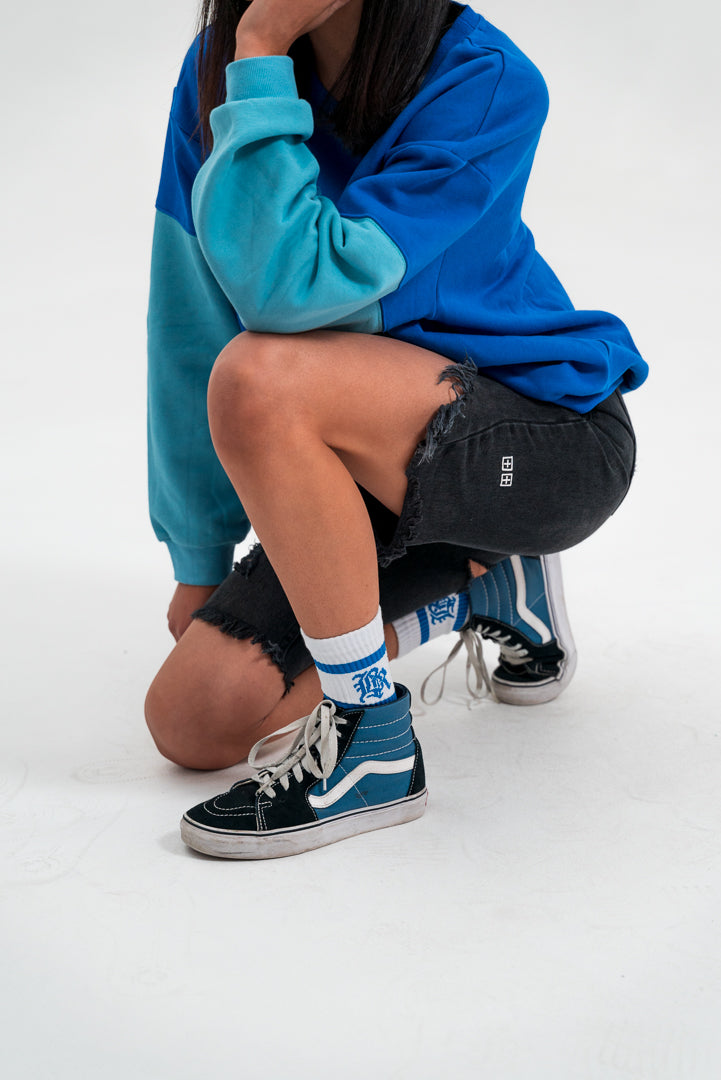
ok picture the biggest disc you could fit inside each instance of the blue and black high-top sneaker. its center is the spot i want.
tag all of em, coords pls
(348, 771)
(519, 604)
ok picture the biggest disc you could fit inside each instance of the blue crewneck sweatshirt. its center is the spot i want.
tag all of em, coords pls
(421, 238)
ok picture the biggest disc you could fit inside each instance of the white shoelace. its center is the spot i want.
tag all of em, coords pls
(475, 662)
(318, 730)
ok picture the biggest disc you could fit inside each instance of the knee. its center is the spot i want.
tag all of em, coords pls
(172, 727)
(249, 388)
(191, 735)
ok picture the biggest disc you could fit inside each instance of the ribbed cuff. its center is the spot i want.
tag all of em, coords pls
(347, 648)
(259, 77)
(201, 566)
(408, 633)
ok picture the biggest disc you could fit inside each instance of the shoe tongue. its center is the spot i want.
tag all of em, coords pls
(531, 665)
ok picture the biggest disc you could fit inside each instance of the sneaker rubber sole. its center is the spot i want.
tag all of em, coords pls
(278, 843)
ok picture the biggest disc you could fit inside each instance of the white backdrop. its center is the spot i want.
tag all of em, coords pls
(622, 203)
(112, 929)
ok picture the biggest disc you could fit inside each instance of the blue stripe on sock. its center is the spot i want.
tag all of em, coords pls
(353, 706)
(423, 623)
(462, 611)
(354, 665)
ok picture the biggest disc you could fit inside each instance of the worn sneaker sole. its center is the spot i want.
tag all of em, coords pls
(226, 844)
(537, 693)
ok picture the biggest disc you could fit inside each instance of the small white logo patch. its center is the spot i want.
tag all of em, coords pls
(507, 470)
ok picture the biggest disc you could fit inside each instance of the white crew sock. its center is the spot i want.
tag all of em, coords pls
(354, 667)
(440, 617)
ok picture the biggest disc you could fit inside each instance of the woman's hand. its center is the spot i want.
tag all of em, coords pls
(186, 600)
(269, 27)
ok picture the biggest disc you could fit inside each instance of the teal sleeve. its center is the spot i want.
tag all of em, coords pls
(193, 506)
(285, 257)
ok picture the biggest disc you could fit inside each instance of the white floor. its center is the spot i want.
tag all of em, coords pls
(554, 916)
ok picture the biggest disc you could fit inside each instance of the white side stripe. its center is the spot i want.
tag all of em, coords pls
(382, 768)
(533, 621)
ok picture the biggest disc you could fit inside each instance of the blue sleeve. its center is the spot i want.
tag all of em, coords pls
(193, 506)
(460, 151)
(287, 257)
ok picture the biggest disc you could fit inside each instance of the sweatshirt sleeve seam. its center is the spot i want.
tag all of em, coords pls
(465, 161)
(499, 80)
(437, 146)
(173, 217)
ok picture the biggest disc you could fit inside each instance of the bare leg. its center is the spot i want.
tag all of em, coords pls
(296, 420)
(215, 696)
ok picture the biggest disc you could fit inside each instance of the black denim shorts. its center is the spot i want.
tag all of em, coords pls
(497, 474)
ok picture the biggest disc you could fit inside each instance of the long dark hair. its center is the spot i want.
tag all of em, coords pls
(395, 43)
